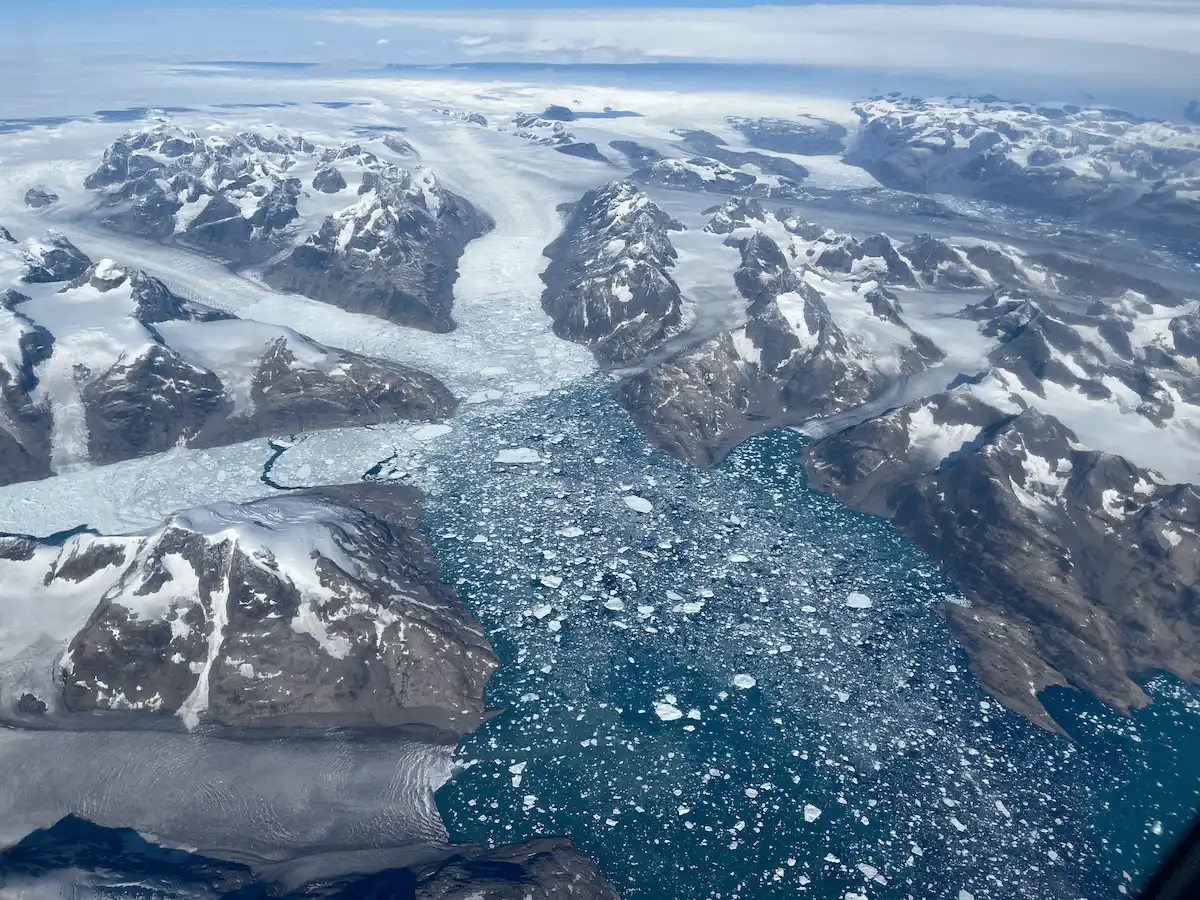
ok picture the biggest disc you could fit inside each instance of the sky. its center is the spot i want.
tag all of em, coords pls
(1136, 45)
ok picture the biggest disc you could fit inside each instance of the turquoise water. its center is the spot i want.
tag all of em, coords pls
(679, 686)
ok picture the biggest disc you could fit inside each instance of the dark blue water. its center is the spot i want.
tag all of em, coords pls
(680, 685)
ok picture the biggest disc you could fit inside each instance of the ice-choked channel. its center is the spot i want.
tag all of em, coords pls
(747, 691)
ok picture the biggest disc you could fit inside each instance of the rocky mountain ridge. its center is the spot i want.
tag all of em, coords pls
(317, 608)
(997, 468)
(1080, 567)
(338, 224)
(297, 613)
(608, 284)
(111, 365)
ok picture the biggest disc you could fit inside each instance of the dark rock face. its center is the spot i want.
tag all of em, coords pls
(939, 263)
(397, 144)
(812, 137)
(1185, 332)
(543, 869)
(157, 400)
(23, 459)
(148, 404)
(6, 236)
(394, 254)
(709, 175)
(540, 130)
(1080, 567)
(584, 151)
(789, 363)
(40, 198)
(1077, 277)
(734, 215)
(206, 620)
(29, 705)
(842, 254)
(712, 146)
(558, 114)
(76, 851)
(328, 181)
(608, 285)
(637, 154)
(348, 389)
(54, 258)
(25, 434)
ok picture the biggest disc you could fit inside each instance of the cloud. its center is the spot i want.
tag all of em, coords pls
(1150, 41)
(382, 41)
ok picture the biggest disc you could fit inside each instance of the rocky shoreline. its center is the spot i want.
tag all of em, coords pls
(295, 617)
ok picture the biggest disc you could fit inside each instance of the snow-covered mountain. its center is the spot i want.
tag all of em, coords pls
(708, 175)
(789, 362)
(321, 608)
(710, 145)
(1104, 165)
(1044, 369)
(540, 130)
(111, 365)
(1080, 566)
(338, 224)
(608, 284)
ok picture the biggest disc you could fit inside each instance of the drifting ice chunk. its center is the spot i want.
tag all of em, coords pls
(965, 895)
(551, 581)
(429, 432)
(638, 504)
(542, 611)
(614, 605)
(744, 682)
(859, 601)
(811, 813)
(517, 456)
(666, 711)
(571, 531)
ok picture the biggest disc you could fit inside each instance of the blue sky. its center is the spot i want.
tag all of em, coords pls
(1144, 43)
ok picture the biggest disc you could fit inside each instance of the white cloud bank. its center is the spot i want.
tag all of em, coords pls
(1151, 42)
